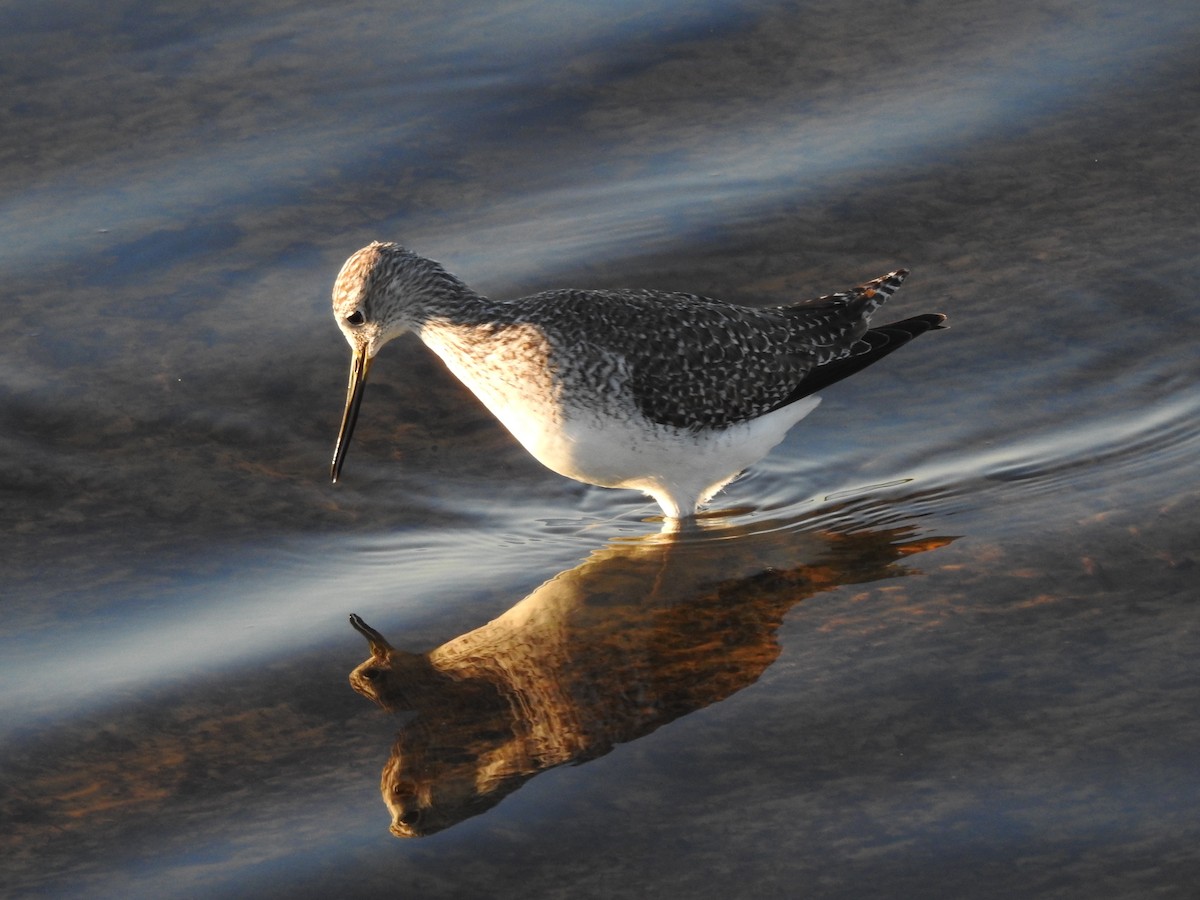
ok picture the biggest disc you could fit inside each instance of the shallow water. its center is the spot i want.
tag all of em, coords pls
(941, 641)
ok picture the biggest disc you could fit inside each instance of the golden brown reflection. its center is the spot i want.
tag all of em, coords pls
(639, 634)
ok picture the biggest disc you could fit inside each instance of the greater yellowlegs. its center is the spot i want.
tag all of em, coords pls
(671, 394)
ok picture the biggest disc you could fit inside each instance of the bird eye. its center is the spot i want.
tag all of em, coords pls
(356, 318)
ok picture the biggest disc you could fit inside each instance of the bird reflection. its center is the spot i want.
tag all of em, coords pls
(642, 632)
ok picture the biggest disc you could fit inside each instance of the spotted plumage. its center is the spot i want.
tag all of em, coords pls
(670, 393)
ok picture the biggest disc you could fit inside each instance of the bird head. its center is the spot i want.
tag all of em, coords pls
(381, 292)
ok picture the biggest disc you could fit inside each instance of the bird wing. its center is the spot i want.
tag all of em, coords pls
(874, 345)
(722, 366)
(692, 362)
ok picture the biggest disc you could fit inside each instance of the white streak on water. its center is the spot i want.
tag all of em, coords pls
(772, 151)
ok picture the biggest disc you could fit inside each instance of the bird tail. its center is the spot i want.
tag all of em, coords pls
(877, 292)
(852, 305)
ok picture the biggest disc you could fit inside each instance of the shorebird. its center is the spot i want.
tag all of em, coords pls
(671, 394)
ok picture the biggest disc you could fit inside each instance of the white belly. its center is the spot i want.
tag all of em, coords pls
(680, 469)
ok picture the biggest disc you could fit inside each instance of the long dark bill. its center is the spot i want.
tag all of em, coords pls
(360, 365)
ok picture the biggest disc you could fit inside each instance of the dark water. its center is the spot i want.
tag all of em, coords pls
(942, 642)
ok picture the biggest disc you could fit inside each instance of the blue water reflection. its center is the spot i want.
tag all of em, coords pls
(421, 90)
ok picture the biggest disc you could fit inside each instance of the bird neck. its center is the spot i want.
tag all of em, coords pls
(450, 302)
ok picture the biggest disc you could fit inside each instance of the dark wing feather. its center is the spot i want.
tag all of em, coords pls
(728, 368)
(692, 362)
(746, 362)
(874, 345)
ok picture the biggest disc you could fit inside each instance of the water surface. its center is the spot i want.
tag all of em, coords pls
(941, 641)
